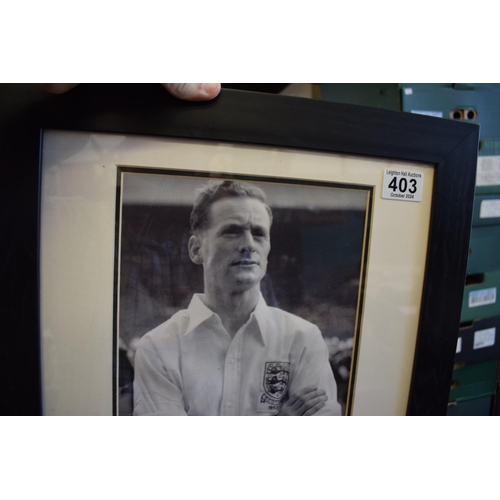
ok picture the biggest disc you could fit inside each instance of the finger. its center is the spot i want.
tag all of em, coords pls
(311, 402)
(193, 91)
(304, 403)
(57, 88)
(314, 409)
(295, 397)
(290, 406)
(305, 398)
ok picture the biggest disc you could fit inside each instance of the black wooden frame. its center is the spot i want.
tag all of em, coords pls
(241, 117)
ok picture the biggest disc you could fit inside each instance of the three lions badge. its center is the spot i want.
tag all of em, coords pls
(276, 376)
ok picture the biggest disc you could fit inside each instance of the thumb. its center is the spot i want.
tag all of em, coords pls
(193, 91)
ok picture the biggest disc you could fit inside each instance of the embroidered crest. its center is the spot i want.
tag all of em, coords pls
(276, 377)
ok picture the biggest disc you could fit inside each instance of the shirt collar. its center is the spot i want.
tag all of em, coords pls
(199, 313)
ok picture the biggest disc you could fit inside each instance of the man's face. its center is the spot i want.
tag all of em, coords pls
(234, 247)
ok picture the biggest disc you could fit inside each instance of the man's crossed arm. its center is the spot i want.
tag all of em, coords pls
(306, 402)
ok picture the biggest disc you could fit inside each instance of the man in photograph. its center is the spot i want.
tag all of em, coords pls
(229, 353)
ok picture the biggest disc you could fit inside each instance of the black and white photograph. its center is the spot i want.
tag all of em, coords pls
(237, 295)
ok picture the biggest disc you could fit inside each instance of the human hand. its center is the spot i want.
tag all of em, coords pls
(306, 402)
(185, 91)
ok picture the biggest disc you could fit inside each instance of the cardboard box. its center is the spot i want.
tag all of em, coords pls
(481, 297)
(484, 249)
(478, 341)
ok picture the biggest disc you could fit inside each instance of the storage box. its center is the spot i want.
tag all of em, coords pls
(472, 102)
(480, 407)
(474, 381)
(377, 95)
(484, 249)
(496, 402)
(478, 341)
(488, 168)
(481, 297)
(486, 210)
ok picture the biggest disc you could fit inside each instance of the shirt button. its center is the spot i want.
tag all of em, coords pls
(229, 404)
(231, 361)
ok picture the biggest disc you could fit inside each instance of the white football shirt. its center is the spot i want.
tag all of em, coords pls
(189, 365)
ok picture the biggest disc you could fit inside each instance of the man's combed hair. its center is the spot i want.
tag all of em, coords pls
(217, 190)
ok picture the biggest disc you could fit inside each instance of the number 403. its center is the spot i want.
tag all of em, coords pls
(402, 185)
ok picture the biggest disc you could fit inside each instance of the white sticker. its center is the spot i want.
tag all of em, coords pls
(437, 114)
(483, 297)
(488, 170)
(459, 345)
(402, 185)
(489, 209)
(408, 91)
(484, 338)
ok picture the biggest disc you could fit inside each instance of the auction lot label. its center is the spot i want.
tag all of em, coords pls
(402, 185)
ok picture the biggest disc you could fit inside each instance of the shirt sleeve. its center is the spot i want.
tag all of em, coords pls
(156, 390)
(313, 369)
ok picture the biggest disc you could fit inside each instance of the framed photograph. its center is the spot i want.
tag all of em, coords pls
(363, 249)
